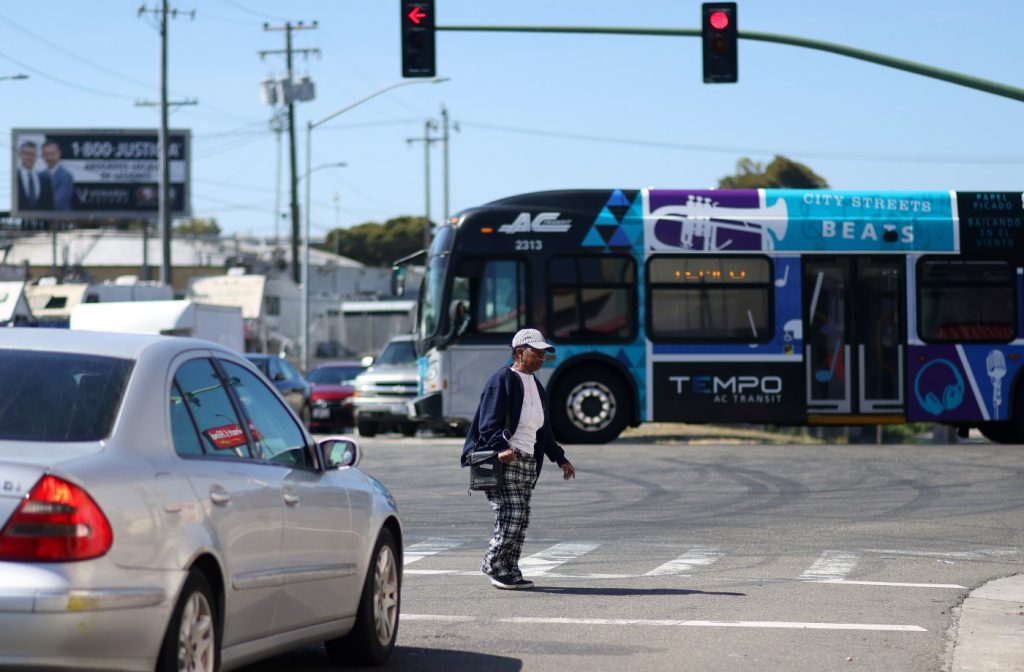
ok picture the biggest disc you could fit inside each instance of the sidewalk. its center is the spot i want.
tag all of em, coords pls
(990, 634)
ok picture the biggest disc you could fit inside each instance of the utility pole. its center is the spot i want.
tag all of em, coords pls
(427, 140)
(163, 155)
(444, 144)
(289, 99)
(277, 125)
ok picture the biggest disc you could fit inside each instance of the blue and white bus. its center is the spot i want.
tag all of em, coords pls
(781, 306)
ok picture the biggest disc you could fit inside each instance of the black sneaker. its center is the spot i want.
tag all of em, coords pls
(524, 583)
(504, 582)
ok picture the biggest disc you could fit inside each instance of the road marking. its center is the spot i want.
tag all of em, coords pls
(792, 625)
(539, 564)
(698, 556)
(830, 566)
(896, 584)
(980, 554)
(431, 546)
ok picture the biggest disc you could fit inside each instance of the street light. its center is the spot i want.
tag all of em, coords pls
(304, 308)
(20, 75)
(310, 125)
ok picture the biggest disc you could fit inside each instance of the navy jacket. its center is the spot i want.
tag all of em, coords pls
(503, 394)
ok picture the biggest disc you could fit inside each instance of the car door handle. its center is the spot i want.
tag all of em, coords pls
(290, 498)
(219, 496)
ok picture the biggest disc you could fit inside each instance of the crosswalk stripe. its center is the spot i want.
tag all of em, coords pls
(431, 546)
(541, 563)
(698, 556)
(831, 566)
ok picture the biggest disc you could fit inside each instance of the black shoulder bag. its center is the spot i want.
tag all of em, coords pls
(486, 471)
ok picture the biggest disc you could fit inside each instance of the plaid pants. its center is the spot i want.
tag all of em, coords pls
(511, 505)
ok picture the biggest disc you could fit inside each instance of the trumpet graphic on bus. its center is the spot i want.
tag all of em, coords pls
(702, 223)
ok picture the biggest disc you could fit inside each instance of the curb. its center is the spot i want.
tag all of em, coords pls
(990, 635)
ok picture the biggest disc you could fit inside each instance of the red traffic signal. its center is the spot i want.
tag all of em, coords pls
(418, 38)
(719, 35)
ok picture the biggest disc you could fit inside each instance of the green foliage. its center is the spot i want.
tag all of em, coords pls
(197, 226)
(779, 174)
(377, 244)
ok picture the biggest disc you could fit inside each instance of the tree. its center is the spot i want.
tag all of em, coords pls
(377, 244)
(780, 173)
(197, 226)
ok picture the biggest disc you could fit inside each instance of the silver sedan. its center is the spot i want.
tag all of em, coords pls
(162, 508)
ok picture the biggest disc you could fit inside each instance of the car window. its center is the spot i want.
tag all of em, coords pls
(183, 429)
(277, 436)
(398, 352)
(210, 407)
(262, 364)
(289, 370)
(334, 375)
(47, 396)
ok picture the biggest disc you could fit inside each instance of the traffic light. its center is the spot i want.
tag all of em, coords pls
(418, 38)
(718, 32)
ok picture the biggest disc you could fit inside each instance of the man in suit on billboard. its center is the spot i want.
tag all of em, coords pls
(60, 177)
(35, 191)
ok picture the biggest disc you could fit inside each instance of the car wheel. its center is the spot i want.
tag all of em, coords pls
(409, 428)
(192, 641)
(373, 636)
(367, 428)
(590, 405)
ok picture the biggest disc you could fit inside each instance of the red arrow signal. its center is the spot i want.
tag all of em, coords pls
(416, 15)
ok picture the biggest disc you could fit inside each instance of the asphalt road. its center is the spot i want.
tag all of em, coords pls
(674, 556)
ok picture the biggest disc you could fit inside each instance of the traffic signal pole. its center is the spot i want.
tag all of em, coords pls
(986, 85)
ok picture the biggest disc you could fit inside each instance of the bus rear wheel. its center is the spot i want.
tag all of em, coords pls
(590, 406)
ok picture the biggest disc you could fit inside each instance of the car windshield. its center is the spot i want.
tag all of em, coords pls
(261, 363)
(398, 352)
(49, 396)
(334, 375)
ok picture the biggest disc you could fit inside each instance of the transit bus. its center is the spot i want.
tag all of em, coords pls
(777, 306)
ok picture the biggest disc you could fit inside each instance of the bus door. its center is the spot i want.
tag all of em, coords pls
(854, 339)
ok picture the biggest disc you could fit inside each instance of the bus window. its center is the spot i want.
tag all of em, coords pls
(592, 298)
(496, 291)
(710, 298)
(961, 301)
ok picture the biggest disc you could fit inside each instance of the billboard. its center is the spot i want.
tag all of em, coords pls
(96, 173)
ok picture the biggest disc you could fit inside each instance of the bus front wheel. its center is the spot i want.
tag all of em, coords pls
(590, 406)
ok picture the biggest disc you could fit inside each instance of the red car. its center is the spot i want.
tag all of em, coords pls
(331, 398)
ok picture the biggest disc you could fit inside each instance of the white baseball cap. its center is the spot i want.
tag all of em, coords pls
(532, 338)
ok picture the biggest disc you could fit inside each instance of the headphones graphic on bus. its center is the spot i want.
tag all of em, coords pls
(952, 394)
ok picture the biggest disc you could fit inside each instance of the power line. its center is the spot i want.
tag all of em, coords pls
(717, 149)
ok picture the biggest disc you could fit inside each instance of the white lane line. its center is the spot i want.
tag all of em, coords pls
(980, 554)
(431, 546)
(792, 625)
(539, 564)
(830, 566)
(698, 556)
(895, 584)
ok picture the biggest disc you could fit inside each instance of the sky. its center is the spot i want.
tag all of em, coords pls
(529, 112)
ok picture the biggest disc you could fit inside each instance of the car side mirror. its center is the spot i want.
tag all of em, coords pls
(339, 453)
(367, 361)
(279, 376)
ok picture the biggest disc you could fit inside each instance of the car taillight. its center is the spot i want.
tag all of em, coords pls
(56, 522)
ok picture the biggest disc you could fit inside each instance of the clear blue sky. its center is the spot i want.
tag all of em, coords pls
(534, 111)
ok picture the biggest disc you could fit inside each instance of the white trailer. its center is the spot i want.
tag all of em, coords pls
(221, 324)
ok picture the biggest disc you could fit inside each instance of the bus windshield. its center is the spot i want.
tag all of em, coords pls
(432, 296)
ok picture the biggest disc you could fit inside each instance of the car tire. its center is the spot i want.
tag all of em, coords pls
(590, 405)
(408, 428)
(192, 640)
(367, 428)
(373, 636)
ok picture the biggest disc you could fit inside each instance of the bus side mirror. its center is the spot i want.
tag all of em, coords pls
(458, 317)
(398, 280)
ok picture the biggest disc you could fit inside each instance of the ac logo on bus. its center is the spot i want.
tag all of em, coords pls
(544, 222)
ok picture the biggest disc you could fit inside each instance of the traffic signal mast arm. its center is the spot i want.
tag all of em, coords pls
(986, 85)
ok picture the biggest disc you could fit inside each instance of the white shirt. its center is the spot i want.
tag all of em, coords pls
(531, 418)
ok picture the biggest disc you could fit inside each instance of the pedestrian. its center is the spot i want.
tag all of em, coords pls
(514, 399)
